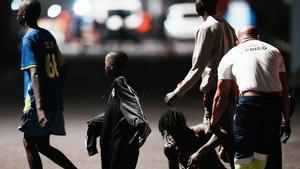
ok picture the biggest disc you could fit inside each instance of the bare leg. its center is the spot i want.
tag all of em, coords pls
(54, 154)
(33, 156)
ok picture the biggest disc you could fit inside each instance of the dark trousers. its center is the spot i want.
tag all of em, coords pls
(274, 160)
(256, 125)
(34, 145)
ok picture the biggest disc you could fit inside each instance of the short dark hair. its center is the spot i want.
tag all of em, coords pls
(33, 10)
(120, 59)
(171, 121)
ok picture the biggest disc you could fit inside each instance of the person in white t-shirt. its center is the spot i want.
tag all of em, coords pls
(259, 71)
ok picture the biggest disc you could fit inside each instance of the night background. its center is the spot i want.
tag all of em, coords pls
(159, 43)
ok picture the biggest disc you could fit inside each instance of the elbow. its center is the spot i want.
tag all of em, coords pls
(221, 99)
(34, 74)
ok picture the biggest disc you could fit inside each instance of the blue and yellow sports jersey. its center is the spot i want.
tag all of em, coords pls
(39, 49)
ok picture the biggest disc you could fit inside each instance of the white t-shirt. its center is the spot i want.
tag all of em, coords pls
(254, 65)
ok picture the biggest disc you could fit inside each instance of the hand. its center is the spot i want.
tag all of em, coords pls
(44, 122)
(170, 150)
(223, 155)
(194, 161)
(169, 98)
(42, 118)
(285, 129)
(211, 128)
(146, 132)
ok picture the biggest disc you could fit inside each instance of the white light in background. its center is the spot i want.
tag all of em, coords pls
(239, 14)
(100, 8)
(82, 7)
(133, 21)
(15, 5)
(54, 10)
(114, 23)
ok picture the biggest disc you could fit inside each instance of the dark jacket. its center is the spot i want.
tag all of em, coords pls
(119, 127)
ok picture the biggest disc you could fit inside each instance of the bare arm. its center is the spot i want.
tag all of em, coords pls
(220, 100)
(218, 135)
(36, 85)
(285, 128)
(286, 107)
(215, 140)
(234, 93)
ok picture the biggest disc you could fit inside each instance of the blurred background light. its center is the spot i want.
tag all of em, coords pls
(130, 5)
(133, 21)
(114, 23)
(54, 10)
(182, 21)
(15, 4)
(82, 7)
(240, 14)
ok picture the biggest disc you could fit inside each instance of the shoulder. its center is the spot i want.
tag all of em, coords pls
(222, 21)
(229, 58)
(119, 80)
(204, 32)
(30, 36)
(33, 35)
(200, 128)
(270, 47)
(213, 23)
(119, 83)
(121, 86)
(233, 51)
(46, 33)
(207, 28)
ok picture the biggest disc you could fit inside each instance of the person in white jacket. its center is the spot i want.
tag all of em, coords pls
(212, 41)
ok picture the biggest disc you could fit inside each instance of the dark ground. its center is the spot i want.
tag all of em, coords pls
(83, 99)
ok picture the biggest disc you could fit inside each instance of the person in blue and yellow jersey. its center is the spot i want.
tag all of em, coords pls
(44, 72)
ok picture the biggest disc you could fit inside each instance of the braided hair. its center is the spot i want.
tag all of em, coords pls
(170, 122)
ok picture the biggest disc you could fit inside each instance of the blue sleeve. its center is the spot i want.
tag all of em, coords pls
(28, 56)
